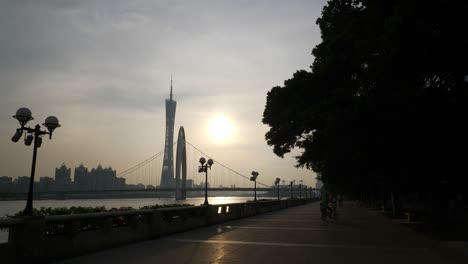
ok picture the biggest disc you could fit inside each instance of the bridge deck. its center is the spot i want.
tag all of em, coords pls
(295, 235)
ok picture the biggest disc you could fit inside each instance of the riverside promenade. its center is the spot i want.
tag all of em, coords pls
(293, 235)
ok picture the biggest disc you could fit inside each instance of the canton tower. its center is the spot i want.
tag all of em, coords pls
(167, 175)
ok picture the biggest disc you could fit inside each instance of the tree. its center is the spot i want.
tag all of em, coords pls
(385, 101)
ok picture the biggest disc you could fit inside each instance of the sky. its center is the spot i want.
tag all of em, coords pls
(104, 69)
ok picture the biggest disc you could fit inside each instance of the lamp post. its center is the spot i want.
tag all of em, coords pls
(254, 179)
(204, 168)
(291, 187)
(34, 135)
(301, 182)
(277, 181)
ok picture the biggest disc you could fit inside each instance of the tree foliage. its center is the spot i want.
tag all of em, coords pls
(385, 100)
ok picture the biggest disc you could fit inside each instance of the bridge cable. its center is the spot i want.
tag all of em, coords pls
(224, 166)
(139, 165)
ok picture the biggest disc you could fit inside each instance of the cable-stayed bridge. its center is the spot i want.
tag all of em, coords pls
(221, 177)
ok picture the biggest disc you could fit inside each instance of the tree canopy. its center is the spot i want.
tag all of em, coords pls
(385, 100)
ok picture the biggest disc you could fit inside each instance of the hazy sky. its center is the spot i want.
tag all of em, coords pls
(103, 68)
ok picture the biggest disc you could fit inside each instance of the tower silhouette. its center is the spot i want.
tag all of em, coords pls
(167, 175)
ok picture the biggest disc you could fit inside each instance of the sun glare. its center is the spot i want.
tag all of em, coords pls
(220, 128)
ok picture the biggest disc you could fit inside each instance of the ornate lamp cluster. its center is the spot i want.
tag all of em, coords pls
(254, 179)
(277, 181)
(24, 115)
(204, 168)
(291, 183)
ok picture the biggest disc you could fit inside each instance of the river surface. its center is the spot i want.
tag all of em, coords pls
(12, 207)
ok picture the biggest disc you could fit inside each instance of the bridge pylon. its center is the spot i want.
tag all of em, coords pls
(181, 166)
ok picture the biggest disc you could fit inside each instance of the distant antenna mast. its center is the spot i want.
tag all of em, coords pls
(171, 89)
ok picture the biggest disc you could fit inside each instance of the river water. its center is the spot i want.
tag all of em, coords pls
(12, 207)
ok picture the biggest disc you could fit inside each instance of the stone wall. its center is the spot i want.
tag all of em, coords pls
(45, 239)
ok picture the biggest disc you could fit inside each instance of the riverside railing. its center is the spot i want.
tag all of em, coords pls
(48, 238)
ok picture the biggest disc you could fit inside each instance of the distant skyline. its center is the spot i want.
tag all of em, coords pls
(104, 68)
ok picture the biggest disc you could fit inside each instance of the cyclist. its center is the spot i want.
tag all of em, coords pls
(324, 207)
(332, 206)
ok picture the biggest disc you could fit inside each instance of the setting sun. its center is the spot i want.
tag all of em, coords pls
(220, 128)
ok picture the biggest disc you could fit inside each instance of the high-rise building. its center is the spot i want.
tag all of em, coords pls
(46, 184)
(167, 175)
(120, 183)
(63, 178)
(105, 178)
(83, 180)
(6, 184)
(22, 184)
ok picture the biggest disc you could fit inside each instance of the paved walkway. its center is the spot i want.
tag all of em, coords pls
(295, 235)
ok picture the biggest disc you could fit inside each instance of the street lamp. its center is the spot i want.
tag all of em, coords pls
(291, 187)
(277, 181)
(204, 168)
(24, 115)
(254, 179)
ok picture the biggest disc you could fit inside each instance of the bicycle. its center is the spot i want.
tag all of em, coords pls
(328, 214)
